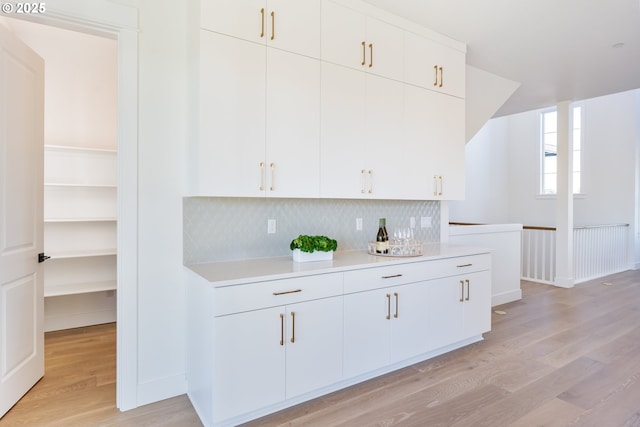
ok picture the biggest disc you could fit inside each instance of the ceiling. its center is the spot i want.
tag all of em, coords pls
(559, 50)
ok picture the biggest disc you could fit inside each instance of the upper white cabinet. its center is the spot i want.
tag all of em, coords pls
(355, 40)
(433, 65)
(289, 25)
(327, 98)
(433, 134)
(259, 120)
(361, 115)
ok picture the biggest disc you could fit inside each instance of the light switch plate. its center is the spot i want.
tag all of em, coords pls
(271, 226)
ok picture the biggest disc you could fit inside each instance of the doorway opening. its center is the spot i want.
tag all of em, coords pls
(80, 174)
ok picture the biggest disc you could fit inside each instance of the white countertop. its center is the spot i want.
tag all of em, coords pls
(256, 270)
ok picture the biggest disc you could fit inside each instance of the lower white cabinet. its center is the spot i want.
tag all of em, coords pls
(263, 357)
(460, 306)
(384, 326)
(255, 347)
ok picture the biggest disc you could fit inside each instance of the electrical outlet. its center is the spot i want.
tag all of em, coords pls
(425, 222)
(359, 224)
(271, 226)
(412, 222)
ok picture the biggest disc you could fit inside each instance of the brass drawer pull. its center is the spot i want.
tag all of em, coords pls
(293, 326)
(392, 276)
(461, 290)
(281, 329)
(467, 298)
(287, 292)
(464, 265)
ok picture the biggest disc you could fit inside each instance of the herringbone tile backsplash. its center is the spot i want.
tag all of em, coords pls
(223, 229)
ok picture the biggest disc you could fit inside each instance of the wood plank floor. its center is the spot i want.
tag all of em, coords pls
(558, 357)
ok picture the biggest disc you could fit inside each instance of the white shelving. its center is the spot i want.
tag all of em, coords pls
(80, 210)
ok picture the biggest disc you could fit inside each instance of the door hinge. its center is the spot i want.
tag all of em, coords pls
(42, 257)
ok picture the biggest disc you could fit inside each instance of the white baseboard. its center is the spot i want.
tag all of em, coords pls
(161, 389)
(505, 297)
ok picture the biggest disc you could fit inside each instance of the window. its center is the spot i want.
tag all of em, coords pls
(549, 144)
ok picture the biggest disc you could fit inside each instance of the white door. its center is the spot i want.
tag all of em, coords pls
(21, 219)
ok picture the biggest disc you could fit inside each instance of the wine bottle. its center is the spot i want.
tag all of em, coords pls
(382, 238)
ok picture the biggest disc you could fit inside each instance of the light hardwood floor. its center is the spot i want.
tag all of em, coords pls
(558, 357)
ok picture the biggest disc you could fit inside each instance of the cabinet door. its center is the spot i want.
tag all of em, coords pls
(232, 116)
(293, 125)
(384, 152)
(249, 362)
(343, 141)
(246, 19)
(314, 345)
(433, 66)
(410, 321)
(367, 325)
(294, 26)
(433, 130)
(446, 311)
(477, 306)
(384, 49)
(343, 35)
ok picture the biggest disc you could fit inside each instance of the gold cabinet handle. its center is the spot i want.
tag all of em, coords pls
(461, 290)
(362, 181)
(273, 176)
(286, 292)
(293, 326)
(435, 79)
(273, 25)
(440, 180)
(435, 185)
(370, 181)
(261, 176)
(364, 53)
(397, 298)
(441, 77)
(370, 55)
(262, 20)
(388, 306)
(392, 276)
(281, 329)
(467, 298)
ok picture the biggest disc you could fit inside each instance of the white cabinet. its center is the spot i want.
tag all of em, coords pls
(353, 39)
(361, 116)
(80, 220)
(460, 306)
(268, 354)
(433, 134)
(291, 26)
(258, 136)
(255, 347)
(380, 327)
(433, 66)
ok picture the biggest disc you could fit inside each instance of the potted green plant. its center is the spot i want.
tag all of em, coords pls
(313, 248)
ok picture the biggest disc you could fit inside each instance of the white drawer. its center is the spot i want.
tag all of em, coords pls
(254, 296)
(382, 277)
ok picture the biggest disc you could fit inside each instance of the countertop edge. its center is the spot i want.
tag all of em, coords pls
(230, 273)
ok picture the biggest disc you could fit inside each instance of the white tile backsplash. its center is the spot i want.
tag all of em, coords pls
(222, 228)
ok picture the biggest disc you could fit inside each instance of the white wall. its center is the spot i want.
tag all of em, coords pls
(487, 183)
(168, 44)
(609, 165)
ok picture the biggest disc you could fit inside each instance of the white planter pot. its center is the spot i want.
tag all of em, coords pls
(299, 256)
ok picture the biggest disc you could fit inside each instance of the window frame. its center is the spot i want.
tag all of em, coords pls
(541, 156)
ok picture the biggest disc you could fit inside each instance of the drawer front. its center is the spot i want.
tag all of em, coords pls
(254, 296)
(382, 277)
